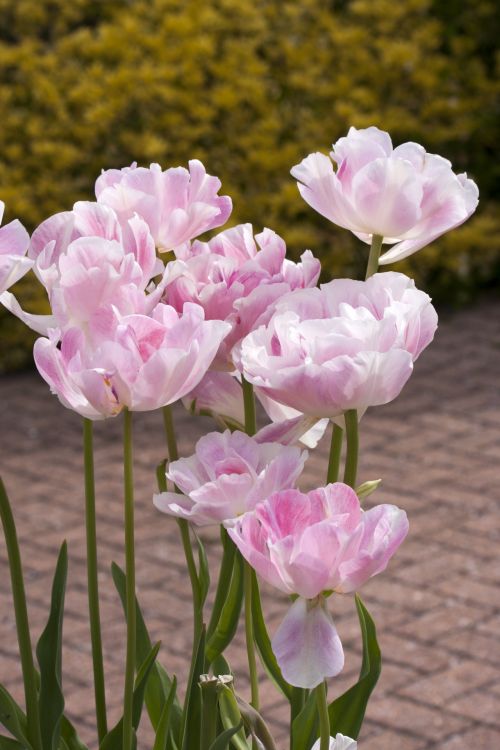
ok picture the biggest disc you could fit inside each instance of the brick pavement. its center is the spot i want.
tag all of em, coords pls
(437, 607)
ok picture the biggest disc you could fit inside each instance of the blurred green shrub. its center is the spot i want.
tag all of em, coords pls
(250, 87)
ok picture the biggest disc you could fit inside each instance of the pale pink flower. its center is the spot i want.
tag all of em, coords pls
(219, 396)
(234, 280)
(310, 544)
(86, 262)
(177, 204)
(14, 241)
(406, 195)
(348, 345)
(136, 361)
(339, 742)
(227, 476)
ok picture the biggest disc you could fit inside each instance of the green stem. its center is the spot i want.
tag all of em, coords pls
(92, 580)
(335, 451)
(173, 455)
(168, 423)
(351, 462)
(130, 581)
(250, 428)
(375, 249)
(22, 625)
(252, 663)
(324, 719)
(193, 573)
(249, 405)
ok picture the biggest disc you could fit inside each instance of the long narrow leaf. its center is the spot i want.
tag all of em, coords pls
(222, 741)
(193, 704)
(69, 735)
(114, 738)
(225, 574)
(227, 624)
(263, 643)
(12, 717)
(347, 712)
(203, 571)
(159, 684)
(6, 743)
(162, 732)
(305, 727)
(49, 655)
(231, 717)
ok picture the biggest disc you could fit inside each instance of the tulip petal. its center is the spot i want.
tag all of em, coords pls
(307, 646)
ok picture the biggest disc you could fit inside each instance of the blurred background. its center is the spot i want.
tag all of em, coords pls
(249, 87)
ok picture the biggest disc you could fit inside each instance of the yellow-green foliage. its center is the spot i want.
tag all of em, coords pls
(250, 87)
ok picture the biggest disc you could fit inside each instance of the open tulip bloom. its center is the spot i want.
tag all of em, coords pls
(403, 194)
(218, 323)
(310, 546)
(14, 242)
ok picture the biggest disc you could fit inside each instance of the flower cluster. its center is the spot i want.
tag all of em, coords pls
(144, 313)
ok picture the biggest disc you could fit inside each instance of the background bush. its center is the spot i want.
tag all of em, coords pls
(249, 87)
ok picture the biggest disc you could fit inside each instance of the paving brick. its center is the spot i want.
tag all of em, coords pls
(439, 689)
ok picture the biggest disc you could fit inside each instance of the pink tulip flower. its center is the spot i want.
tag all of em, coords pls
(177, 204)
(235, 281)
(219, 396)
(227, 476)
(339, 742)
(86, 262)
(405, 195)
(307, 545)
(14, 241)
(348, 345)
(136, 361)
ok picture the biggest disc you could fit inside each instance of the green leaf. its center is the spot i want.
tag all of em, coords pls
(255, 724)
(231, 717)
(193, 701)
(305, 726)
(159, 684)
(49, 655)
(69, 735)
(12, 717)
(225, 573)
(203, 571)
(222, 740)
(6, 743)
(220, 666)
(162, 732)
(229, 616)
(347, 712)
(263, 643)
(114, 738)
(297, 701)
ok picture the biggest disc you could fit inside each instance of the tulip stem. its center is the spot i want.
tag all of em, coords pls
(22, 623)
(375, 249)
(351, 462)
(92, 580)
(252, 663)
(324, 719)
(335, 451)
(168, 422)
(128, 734)
(173, 455)
(251, 428)
(249, 405)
